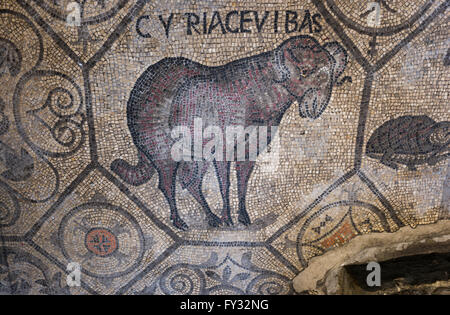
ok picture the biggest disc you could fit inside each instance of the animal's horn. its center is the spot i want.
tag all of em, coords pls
(281, 71)
(340, 56)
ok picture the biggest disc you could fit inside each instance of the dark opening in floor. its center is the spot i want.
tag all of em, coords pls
(418, 274)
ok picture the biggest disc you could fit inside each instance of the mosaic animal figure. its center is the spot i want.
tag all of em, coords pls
(253, 91)
(411, 141)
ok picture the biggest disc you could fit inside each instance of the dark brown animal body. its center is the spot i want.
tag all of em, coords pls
(254, 91)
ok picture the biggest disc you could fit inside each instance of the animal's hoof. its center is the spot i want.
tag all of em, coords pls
(227, 220)
(244, 218)
(179, 224)
(214, 220)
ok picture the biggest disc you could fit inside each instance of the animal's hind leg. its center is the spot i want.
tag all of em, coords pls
(223, 175)
(167, 180)
(243, 171)
(195, 188)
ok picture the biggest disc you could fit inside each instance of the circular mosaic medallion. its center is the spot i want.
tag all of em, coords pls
(104, 239)
(101, 242)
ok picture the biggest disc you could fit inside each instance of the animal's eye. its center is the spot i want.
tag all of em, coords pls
(304, 72)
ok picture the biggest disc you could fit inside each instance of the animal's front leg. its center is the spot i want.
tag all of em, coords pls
(243, 170)
(223, 175)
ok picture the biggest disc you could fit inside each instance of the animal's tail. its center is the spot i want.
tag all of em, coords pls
(134, 175)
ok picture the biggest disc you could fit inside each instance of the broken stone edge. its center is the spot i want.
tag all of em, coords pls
(322, 275)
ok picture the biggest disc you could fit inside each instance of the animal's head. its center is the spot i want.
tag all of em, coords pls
(309, 71)
(441, 134)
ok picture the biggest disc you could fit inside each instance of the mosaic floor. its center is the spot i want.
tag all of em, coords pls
(90, 92)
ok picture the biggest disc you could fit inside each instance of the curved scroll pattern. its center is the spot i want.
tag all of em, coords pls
(59, 117)
(183, 279)
(20, 164)
(268, 284)
(52, 115)
(220, 277)
(14, 60)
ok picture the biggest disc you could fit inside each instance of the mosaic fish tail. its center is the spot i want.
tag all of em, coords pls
(135, 175)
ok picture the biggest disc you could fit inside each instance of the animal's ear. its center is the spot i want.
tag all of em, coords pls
(340, 56)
